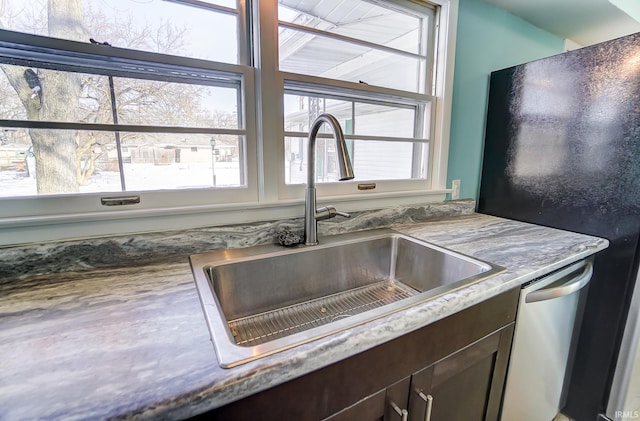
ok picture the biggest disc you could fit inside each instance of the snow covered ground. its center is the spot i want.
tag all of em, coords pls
(138, 177)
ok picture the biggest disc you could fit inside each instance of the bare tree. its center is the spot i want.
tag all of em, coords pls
(55, 152)
(65, 159)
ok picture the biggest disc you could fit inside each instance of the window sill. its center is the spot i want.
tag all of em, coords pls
(23, 230)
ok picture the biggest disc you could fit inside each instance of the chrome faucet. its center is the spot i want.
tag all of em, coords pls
(311, 214)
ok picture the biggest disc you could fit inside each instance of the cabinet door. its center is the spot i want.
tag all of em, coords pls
(464, 386)
(387, 404)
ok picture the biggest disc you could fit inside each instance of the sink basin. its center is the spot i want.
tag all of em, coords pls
(261, 300)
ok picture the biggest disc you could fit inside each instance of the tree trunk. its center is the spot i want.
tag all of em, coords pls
(65, 20)
(55, 153)
(54, 150)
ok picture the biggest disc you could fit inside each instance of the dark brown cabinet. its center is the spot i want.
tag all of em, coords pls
(384, 404)
(458, 364)
(466, 385)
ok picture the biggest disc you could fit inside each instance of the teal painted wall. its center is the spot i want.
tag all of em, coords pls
(488, 39)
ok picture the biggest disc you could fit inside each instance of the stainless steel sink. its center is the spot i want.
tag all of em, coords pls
(264, 299)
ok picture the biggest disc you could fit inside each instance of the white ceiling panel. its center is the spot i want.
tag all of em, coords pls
(586, 22)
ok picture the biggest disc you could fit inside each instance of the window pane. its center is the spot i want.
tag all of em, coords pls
(44, 161)
(227, 3)
(383, 160)
(51, 95)
(296, 160)
(332, 59)
(177, 161)
(372, 160)
(380, 120)
(325, 56)
(356, 19)
(58, 161)
(147, 102)
(14, 168)
(153, 25)
(300, 112)
(369, 119)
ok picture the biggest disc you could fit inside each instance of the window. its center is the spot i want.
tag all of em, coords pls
(84, 115)
(380, 138)
(371, 65)
(161, 123)
(194, 106)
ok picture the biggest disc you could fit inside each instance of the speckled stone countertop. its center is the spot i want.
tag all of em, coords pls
(131, 342)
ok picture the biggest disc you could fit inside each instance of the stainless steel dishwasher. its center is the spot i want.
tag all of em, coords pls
(549, 313)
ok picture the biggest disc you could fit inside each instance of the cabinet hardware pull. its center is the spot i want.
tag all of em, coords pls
(573, 285)
(403, 413)
(428, 400)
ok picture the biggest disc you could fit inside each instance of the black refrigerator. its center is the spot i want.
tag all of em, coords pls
(562, 149)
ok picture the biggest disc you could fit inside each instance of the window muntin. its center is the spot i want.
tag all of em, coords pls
(181, 28)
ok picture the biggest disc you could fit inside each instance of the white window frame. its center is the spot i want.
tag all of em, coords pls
(387, 192)
(36, 51)
(265, 197)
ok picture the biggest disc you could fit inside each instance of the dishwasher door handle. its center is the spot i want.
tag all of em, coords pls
(571, 286)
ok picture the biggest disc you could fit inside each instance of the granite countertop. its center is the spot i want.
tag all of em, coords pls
(131, 342)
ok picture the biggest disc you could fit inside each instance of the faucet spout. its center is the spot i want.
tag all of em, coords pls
(344, 164)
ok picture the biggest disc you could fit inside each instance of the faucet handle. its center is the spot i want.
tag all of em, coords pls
(327, 212)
